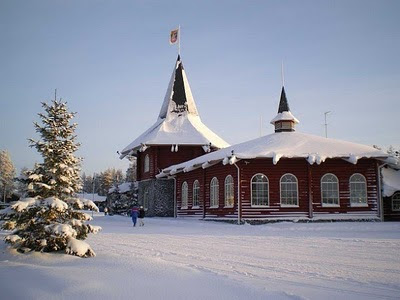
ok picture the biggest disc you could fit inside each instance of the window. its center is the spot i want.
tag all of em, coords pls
(358, 190)
(396, 202)
(229, 194)
(259, 190)
(330, 190)
(196, 193)
(289, 190)
(146, 163)
(184, 196)
(214, 192)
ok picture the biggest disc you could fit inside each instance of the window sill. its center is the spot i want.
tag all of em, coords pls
(228, 206)
(184, 207)
(215, 206)
(358, 205)
(195, 207)
(290, 206)
(260, 206)
(330, 205)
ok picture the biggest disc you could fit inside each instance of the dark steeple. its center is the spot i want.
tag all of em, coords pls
(179, 98)
(284, 120)
(283, 103)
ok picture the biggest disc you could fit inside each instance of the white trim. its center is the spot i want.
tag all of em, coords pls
(195, 207)
(330, 205)
(357, 204)
(395, 194)
(338, 192)
(251, 191)
(280, 191)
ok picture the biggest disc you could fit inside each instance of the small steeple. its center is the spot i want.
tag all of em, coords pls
(179, 98)
(283, 104)
(284, 120)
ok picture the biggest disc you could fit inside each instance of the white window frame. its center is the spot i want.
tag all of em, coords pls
(358, 204)
(229, 191)
(184, 195)
(297, 190)
(214, 193)
(196, 192)
(251, 190)
(146, 163)
(322, 192)
(395, 197)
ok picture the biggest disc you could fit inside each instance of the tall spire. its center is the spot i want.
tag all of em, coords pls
(179, 98)
(284, 120)
(283, 103)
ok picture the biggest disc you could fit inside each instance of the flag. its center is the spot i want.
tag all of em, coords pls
(174, 36)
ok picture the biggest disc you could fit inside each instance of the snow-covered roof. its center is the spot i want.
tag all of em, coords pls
(314, 149)
(178, 122)
(391, 181)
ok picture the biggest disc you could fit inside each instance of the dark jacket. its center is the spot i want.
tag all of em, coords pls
(141, 213)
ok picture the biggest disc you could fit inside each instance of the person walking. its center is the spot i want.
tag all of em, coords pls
(134, 215)
(141, 216)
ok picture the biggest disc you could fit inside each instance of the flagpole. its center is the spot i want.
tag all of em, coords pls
(179, 39)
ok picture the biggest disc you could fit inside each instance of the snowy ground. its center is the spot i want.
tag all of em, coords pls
(191, 259)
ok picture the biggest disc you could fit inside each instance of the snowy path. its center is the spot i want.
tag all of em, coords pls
(181, 259)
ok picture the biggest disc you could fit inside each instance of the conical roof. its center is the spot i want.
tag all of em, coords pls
(284, 113)
(178, 122)
(179, 96)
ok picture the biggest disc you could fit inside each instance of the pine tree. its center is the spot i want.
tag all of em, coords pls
(48, 220)
(7, 174)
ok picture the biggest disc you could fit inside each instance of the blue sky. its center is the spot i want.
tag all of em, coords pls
(111, 61)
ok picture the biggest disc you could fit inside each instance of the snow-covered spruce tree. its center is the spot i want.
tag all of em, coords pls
(7, 174)
(49, 219)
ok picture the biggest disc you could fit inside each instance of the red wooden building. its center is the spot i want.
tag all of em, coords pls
(284, 175)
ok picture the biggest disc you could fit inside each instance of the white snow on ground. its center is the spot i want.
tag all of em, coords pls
(193, 259)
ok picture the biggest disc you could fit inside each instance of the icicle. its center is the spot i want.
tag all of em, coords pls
(172, 148)
(311, 159)
(276, 158)
(225, 161)
(176, 148)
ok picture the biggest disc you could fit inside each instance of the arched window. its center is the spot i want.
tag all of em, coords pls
(214, 193)
(184, 195)
(229, 194)
(146, 163)
(289, 190)
(358, 190)
(259, 190)
(196, 193)
(396, 202)
(330, 190)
